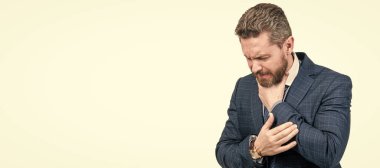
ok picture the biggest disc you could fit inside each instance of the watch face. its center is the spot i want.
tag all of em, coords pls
(256, 156)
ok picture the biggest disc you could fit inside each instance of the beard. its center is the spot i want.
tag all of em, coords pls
(277, 75)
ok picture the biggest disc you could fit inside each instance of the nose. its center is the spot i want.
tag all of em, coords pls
(256, 66)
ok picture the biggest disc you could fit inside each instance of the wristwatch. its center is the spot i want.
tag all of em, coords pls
(256, 156)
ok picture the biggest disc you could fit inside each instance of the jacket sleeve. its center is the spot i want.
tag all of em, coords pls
(232, 150)
(323, 143)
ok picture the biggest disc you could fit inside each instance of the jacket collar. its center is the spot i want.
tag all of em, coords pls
(303, 80)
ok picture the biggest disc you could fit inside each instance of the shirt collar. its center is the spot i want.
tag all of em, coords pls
(293, 70)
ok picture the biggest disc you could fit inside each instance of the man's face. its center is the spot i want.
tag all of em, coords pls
(267, 61)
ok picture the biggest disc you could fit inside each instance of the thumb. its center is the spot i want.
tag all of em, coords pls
(269, 122)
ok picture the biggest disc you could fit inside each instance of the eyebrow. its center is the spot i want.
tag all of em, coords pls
(258, 56)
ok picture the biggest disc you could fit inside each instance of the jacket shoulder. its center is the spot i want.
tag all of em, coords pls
(327, 74)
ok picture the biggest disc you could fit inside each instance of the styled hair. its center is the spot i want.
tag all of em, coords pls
(264, 17)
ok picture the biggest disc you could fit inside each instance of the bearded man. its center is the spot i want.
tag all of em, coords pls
(289, 112)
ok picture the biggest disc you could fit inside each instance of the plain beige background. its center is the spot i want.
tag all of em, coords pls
(112, 84)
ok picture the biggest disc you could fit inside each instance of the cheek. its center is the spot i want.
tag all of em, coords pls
(270, 68)
(266, 67)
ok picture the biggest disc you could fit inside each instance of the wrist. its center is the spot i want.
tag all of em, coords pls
(255, 154)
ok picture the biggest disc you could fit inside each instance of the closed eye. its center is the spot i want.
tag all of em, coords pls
(262, 58)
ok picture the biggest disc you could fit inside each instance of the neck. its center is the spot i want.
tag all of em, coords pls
(290, 62)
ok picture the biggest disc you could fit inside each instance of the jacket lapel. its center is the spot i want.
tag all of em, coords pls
(303, 81)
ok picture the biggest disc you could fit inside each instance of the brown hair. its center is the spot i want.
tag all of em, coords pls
(264, 17)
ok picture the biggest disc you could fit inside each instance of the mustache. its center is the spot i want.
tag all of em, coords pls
(261, 72)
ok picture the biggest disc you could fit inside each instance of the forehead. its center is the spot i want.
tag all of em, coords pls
(254, 46)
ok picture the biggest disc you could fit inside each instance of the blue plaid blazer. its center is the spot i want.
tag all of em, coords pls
(318, 101)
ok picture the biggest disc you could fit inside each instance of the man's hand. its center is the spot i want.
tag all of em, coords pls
(269, 96)
(269, 141)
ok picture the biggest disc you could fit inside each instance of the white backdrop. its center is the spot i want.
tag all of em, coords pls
(115, 83)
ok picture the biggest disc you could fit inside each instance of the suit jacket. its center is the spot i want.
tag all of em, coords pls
(318, 101)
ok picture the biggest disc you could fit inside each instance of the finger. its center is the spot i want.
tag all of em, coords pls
(288, 137)
(285, 147)
(269, 122)
(284, 133)
(281, 127)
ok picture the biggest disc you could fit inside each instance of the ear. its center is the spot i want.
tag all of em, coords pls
(289, 44)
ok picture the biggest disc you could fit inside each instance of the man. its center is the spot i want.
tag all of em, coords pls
(290, 112)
